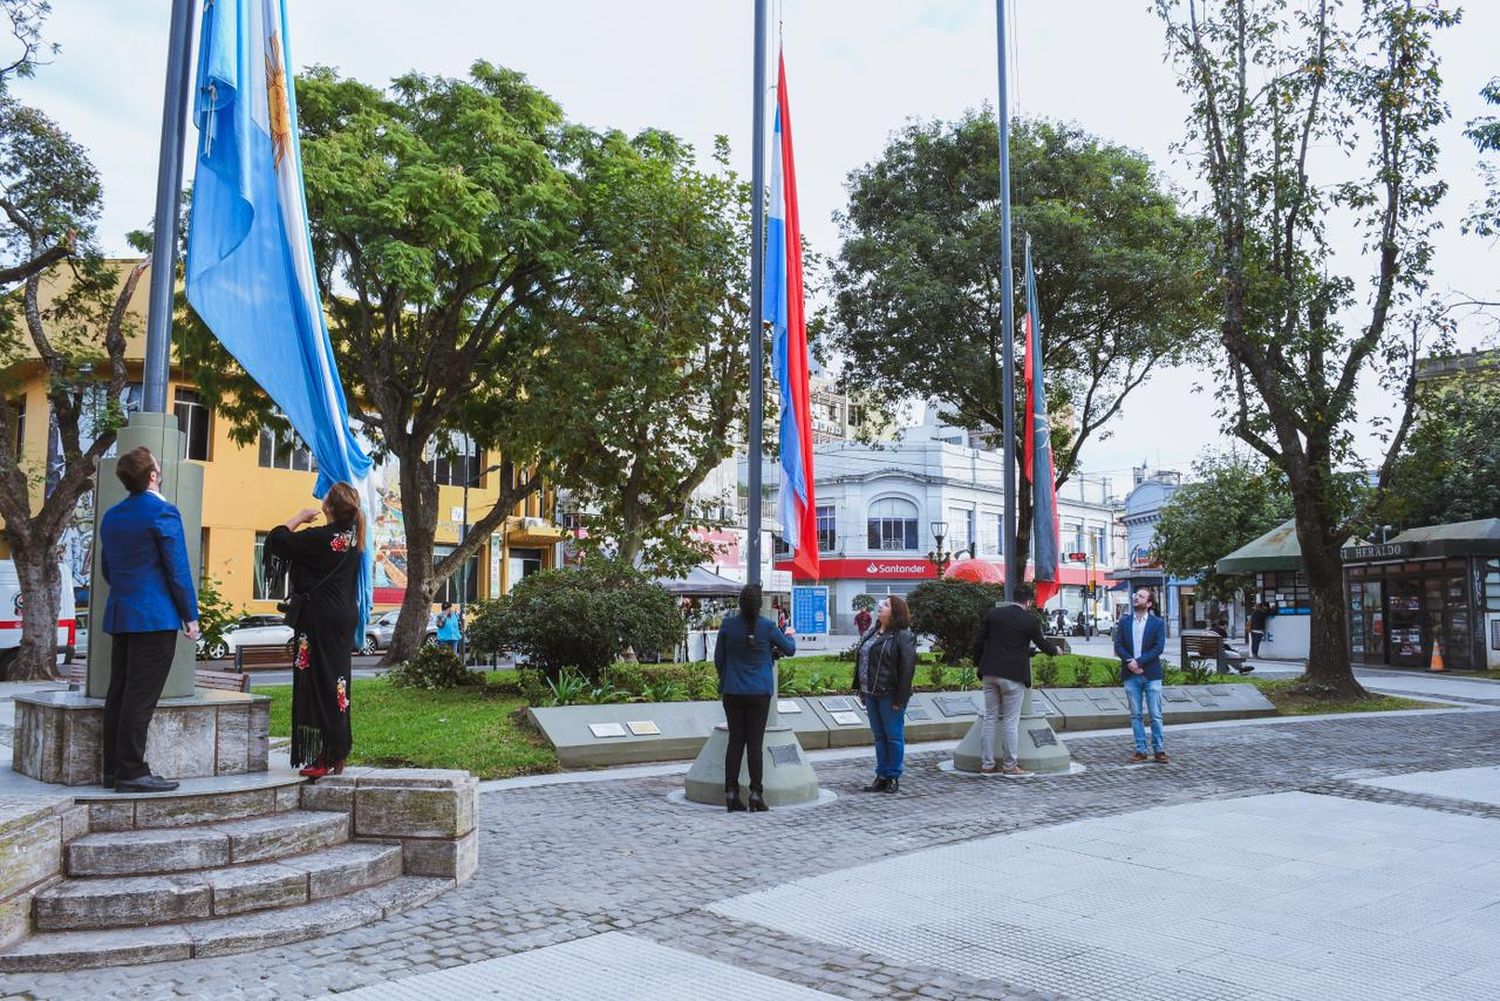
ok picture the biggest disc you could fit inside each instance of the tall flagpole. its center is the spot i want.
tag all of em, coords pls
(1007, 321)
(168, 198)
(757, 270)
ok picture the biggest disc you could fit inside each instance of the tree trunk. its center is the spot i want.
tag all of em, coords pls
(41, 588)
(419, 516)
(1329, 671)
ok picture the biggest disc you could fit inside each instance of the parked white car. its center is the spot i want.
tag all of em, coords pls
(11, 603)
(251, 630)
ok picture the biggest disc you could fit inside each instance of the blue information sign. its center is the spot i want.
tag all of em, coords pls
(810, 609)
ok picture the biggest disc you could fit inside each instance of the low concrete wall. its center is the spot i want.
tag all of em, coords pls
(430, 812)
(33, 831)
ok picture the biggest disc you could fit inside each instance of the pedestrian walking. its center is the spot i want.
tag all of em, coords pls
(743, 655)
(323, 611)
(1259, 616)
(884, 666)
(1140, 639)
(1002, 656)
(449, 629)
(144, 558)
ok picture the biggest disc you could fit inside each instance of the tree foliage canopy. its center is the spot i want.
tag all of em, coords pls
(1450, 468)
(951, 612)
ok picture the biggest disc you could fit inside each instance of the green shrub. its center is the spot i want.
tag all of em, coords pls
(951, 611)
(434, 668)
(580, 617)
(663, 690)
(505, 683)
(1198, 671)
(1083, 674)
(786, 679)
(533, 686)
(935, 675)
(1046, 672)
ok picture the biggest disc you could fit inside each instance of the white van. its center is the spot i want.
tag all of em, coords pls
(11, 603)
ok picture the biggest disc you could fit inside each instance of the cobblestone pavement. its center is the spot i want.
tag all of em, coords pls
(562, 862)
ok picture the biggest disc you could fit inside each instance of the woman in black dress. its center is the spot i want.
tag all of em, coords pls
(324, 563)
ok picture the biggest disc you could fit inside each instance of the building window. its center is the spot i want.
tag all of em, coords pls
(779, 548)
(457, 462)
(880, 588)
(285, 450)
(194, 421)
(274, 589)
(893, 525)
(960, 529)
(1285, 591)
(466, 579)
(827, 529)
(1096, 546)
(18, 416)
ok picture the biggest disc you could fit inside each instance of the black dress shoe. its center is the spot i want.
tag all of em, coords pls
(878, 785)
(146, 783)
(892, 785)
(733, 802)
(757, 802)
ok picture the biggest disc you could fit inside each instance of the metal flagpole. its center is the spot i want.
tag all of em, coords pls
(168, 198)
(1007, 320)
(757, 269)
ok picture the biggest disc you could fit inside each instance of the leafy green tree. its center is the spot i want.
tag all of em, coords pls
(1485, 131)
(648, 347)
(1270, 84)
(1234, 500)
(917, 283)
(71, 331)
(215, 614)
(1450, 468)
(951, 612)
(580, 617)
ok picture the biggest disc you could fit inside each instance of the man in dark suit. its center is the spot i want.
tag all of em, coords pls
(1140, 639)
(1002, 655)
(151, 595)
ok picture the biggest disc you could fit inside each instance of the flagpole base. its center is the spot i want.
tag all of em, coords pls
(1041, 751)
(788, 775)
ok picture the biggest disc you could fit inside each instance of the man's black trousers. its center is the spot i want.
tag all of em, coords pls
(138, 668)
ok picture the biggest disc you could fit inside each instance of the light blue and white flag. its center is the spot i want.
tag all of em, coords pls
(249, 253)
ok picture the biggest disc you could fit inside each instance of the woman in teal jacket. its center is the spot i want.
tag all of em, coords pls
(746, 646)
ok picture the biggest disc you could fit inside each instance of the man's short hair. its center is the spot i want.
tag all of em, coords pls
(1025, 592)
(134, 469)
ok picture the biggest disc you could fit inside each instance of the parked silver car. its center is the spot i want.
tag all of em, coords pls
(379, 630)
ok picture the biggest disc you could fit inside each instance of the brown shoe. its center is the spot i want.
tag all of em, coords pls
(1137, 758)
(988, 769)
(1161, 757)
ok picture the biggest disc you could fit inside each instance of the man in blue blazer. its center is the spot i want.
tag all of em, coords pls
(151, 595)
(1140, 639)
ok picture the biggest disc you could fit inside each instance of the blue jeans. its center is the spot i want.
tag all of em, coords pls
(1137, 690)
(889, 729)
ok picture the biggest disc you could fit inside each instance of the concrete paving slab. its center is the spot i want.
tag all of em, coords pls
(631, 967)
(1478, 785)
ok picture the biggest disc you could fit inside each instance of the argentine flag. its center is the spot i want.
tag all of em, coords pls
(249, 251)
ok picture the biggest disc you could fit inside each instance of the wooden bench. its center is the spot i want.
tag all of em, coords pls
(262, 656)
(76, 675)
(1203, 644)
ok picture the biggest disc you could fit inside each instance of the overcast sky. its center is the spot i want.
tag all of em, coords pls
(857, 69)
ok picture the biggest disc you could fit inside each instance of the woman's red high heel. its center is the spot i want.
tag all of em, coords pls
(314, 771)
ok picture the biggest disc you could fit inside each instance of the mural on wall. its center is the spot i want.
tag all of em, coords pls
(77, 540)
(388, 530)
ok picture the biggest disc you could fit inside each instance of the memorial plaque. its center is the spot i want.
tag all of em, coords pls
(606, 729)
(837, 705)
(1177, 695)
(643, 728)
(1067, 695)
(788, 706)
(784, 754)
(956, 705)
(1043, 736)
(917, 712)
(846, 718)
(1218, 690)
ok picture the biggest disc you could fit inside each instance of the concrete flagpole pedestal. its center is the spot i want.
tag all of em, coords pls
(788, 780)
(1040, 750)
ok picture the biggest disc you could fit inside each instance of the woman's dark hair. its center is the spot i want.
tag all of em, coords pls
(344, 510)
(750, 602)
(900, 613)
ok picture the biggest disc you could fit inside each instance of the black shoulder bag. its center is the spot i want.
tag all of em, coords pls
(291, 609)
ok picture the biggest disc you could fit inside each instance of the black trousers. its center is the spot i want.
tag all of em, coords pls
(138, 668)
(746, 715)
(1256, 635)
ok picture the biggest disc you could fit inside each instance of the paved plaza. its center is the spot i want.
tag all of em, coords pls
(1349, 857)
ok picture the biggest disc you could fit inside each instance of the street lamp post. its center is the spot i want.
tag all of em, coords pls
(939, 557)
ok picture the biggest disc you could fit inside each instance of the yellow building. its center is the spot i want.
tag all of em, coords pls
(249, 489)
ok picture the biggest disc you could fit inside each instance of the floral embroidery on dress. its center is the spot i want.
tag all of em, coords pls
(343, 542)
(304, 655)
(343, 695)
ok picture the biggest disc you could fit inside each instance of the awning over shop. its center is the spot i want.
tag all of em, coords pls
(1461, 538)
(701, 583)
(1277, 550)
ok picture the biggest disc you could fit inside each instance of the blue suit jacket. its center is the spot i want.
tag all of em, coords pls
(145, 563)
(1153, 643)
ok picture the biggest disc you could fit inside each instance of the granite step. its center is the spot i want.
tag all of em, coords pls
(175, 850)
(196, 801)
(127, 901)
(61, 951)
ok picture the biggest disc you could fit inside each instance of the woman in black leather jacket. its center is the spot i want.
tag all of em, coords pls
(884, 664)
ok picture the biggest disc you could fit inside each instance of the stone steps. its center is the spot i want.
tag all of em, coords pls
(60, 951)
(163, 850)
(126, 901)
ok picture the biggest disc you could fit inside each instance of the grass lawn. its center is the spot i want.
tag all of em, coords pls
(1290, 703)
(477, 729)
